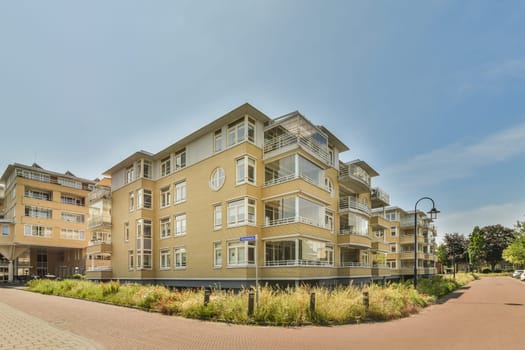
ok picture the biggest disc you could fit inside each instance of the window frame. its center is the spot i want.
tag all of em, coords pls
(244, 166)
(180, 225)
(180, 192)
(180, 260)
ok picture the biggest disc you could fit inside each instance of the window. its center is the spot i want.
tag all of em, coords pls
(217, 145)
(241, 253)
(69, 183)
(72, 217)
(393, 231)
(180, 258)
(37, 194)
(67, 233)
(328, 185)
(180, 192)
(126, 231)
(236, 132)
(245, 170)
(329, 220)
(165, 227)
(165, 197)
(144, 243)
(165, 259)
(131, 201)
(5, 230)
(130, 174)
(71, 199)
(130, 259)
(251, 130)
(180, 159)
(217, 179)
(38, 231)
(217, 254)
(180, 225)
(217, 217)
(392, 264)
(238, 209)
(36, 212)
(393, 248)
(165, 166)
(391, 216)
(144, 199)
(147, 169)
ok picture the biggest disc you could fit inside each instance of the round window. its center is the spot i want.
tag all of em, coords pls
(217, 179)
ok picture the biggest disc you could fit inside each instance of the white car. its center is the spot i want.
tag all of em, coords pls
(522, 276)
(517, 273)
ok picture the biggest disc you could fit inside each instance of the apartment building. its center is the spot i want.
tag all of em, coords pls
(43, 220)
(399, 231)
(247, 195)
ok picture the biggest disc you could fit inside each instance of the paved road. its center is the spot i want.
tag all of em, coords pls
(487, 314)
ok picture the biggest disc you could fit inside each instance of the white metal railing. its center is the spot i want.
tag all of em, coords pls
(355, 264)
(291, 177)
(99, 268)
(356, 172)
(380, 266)
(352, 203)
(97, 221)
(99, 241)
(99, 194)
(308, 143)
(292, 220)
(298, 262)
(352, 232)
(378, 193)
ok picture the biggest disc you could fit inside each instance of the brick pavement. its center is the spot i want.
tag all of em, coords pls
(23, 331)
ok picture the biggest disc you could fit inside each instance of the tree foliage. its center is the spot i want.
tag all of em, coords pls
(497, 238)
(476, 247)
(515, 252)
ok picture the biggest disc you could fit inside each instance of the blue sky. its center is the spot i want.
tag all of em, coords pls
(429, 93)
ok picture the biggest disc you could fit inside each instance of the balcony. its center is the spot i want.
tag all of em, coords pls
(298, 262)
(99, 194)
(352, 239)
(99, 273)
(379, 198)
(347, 203)
(381, 247)
(295, 220)
(97, 221)
(379, 222)
(97, 247)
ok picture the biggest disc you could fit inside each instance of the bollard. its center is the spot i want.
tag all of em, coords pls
(312, 303)
(251, 299)
(207, 293)
(366, 300)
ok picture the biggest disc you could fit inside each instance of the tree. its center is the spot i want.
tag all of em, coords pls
(456, 247)
(515, 252)
(497, 238)
(477, 248)
(442, 254)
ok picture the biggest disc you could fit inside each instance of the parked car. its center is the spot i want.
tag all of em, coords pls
(522, 276)
(517, 273)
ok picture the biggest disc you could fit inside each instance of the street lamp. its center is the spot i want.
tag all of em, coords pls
(433, 215)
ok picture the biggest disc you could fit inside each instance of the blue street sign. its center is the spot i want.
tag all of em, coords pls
(247, 238)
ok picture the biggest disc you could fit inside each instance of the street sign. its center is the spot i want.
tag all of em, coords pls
(247, 238)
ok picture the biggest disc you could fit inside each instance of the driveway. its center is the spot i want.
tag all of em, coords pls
(486, 314)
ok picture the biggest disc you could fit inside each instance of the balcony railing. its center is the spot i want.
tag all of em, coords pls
(99, 194)
(292, 220)
(355, 264)
(291, 177)
(99, 268)
(349, 231)
(317, 149)
(298, 262)
(381, 195)
(356, 172)
(352, 203)
(99, 221)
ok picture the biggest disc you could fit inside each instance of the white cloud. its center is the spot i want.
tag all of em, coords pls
(459, 160)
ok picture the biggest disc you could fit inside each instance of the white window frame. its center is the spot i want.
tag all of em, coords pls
(165, 166)
(180, 258)
(244, 212)
(180, 192)
(126, 232)
(242, 170)
(217, 254)
(217, 216)
(131, 201)
(217, 141)
(165, 259)
(217, 179)
(236, 247)
(131, 260)
(165, 197)
(180, 160)
(165, 227)
(180, 225)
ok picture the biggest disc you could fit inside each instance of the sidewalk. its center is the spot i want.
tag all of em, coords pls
(23, 331)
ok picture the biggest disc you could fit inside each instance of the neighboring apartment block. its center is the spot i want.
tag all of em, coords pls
(243, 191)
(43, 219)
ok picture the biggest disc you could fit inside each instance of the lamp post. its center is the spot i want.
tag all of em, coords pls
(433, 215)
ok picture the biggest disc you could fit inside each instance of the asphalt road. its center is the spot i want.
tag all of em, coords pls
(486, 314)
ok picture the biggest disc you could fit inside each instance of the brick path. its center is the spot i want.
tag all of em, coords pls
(22, 331)
(486, 315)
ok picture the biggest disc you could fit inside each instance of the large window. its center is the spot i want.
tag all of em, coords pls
(241, 253)
(67, 233)
(180, 225)
(180, 192)
(165, 197)
(144, 199)
(300, 252)
(296, 209)
(240, 130)
(217, 254)
(354, 224)
(180, 257)
(241, 212)
(217, 216)
(38, 194)
(180, 159)
(72, 217)
(165, 227)
(144, 243)
(165, 166)
(165, 259)
(147, 169)
(245, 170)
(38, 231)
(71, 199)
(217, 145)
(130, 174)
(36, 212)
(292, 167)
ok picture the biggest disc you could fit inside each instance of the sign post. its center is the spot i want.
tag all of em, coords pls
(249, 239)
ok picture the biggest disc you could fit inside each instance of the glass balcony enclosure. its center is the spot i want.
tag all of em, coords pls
(294, 167)
(294, 209)
(353, 224)
(292, 131)
(298, 252)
